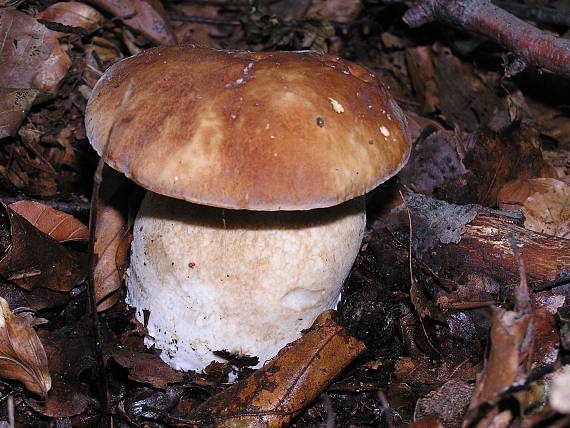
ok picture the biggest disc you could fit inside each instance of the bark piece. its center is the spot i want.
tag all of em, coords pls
(481, 247)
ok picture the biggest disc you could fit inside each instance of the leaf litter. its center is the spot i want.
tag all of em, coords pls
(460, 341)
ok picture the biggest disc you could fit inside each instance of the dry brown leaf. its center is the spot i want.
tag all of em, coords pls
(144, 16)
(73, 14)
(111, 237)
(509, 360)
(14, 106)
(336, 10)
(69, 356)
(22, 356)
(60, 226)
(549, 211)
(31, 54)
(144, 367)
(449, 402)
(274, 394)
(513, 194)
(34, 259)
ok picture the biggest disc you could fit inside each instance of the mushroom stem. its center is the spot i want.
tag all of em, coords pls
(246, 282)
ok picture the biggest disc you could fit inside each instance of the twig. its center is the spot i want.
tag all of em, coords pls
(544, 15)
(98, 178)
(68, 207)
(219, 3)
(522, 297)
(203, 20)
(529, 44)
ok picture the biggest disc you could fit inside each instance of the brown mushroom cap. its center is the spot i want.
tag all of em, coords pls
(243, 130)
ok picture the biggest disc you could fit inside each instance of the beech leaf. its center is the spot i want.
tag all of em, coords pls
(60, 226)
(274, 394)
(22, 356)
(33, 259)
(145, 16)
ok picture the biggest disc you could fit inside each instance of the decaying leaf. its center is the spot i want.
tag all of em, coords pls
(22, 356)
(31, 55)
(549, 212)
(33, 259)
(69, 356)
(144, 16)
(144, 367)
(60, 226)
(274, 394)
(73, 14)
(449, 403)
(14, 106)
(545, 203)
(509, 360)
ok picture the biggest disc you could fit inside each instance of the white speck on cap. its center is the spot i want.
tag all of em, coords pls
(384, 131)
(337, 107)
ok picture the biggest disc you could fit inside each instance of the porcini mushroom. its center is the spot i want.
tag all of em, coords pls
(256, 164)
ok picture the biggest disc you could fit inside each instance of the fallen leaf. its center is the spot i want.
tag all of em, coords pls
(549, 211)
(335, 10)
(274, 394)
(449, 402)
(68, 356)
(60, 226)
(34, 259)
(73, 14)
(14, 106)
(509, 360)
(22, 356)
(31, 55)
(144, 367)
(144, 16)
(112, 237)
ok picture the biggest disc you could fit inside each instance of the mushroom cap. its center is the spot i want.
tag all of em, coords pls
(244, 130)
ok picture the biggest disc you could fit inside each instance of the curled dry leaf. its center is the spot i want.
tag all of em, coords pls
(33, 259)
(73, 14)
(144, 16)
(22, 356)
(60, 226)
(272, 395)
(509, 359)
(112, 238)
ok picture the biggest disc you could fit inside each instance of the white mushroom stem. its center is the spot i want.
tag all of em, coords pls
(246, 282)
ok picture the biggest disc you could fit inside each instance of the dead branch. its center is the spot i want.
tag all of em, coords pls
(530, 44)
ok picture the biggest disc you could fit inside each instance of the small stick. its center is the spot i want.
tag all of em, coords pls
(203, 20)
(529, 44)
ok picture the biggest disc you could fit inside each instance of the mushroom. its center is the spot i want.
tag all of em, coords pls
(256, 165)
